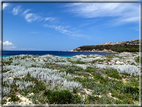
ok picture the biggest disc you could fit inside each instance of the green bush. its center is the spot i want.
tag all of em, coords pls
(134, 81)
(98, 61)
(39, 86)
(137, 59)
(113, 73)
(70, 70)
(80, 62)
(74, 90)
(117, 87)
(133, 91)
(61, 97)
(29, 78)
(124, 74)
(3, 101)
(42, 101)
(89, 69)
(4, 71)
(99, 77)
(129, 89)
(78, 68)
(128, 101)
(91, 99)
(7, 63)
(110, 56)
(76, 99)
(13, 97)
(77, 62)
(86, 82)
(100, 89)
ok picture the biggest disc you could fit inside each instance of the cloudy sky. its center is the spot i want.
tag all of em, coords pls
(65, 26)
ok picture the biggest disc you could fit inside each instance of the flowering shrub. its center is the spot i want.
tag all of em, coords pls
(24, 84)
(130, 69)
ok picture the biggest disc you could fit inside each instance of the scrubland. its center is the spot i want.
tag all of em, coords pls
(81, 79)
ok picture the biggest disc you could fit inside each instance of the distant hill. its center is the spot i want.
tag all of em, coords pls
(125, 46)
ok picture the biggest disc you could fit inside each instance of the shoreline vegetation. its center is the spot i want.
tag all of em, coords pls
(118, 47)
(81, 79)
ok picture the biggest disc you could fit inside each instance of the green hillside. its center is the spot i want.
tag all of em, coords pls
(117, 48)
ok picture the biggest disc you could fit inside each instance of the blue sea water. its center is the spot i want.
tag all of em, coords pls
(7, 55)
(56, 53)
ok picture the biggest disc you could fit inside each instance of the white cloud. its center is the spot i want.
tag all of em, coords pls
(49, 19)
(26, 11)
(125, 12)
(7, 43)
(54, 23)
(59, 28)
(5, 5)
(131, 19)
(64, 30)
(30, 17)
(16, 10)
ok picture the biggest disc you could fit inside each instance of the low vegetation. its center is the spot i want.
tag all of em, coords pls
(81, 79)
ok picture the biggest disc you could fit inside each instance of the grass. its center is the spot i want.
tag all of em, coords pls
(113, 73)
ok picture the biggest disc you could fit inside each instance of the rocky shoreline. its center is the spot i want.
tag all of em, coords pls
(105, 50)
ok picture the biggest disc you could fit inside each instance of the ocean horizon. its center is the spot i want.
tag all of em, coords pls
(56, 53)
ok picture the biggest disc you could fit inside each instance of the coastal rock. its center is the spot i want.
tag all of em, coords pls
(71, 50)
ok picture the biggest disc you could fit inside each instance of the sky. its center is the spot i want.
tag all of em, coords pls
(65, 26)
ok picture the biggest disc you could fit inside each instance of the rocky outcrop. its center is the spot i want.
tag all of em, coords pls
(97, 50)
(133, 42)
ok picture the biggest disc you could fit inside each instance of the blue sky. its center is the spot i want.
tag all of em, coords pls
(65, 26)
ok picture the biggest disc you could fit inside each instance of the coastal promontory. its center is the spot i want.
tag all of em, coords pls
(124, 46)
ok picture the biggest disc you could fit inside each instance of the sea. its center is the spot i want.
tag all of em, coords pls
(56, 53)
